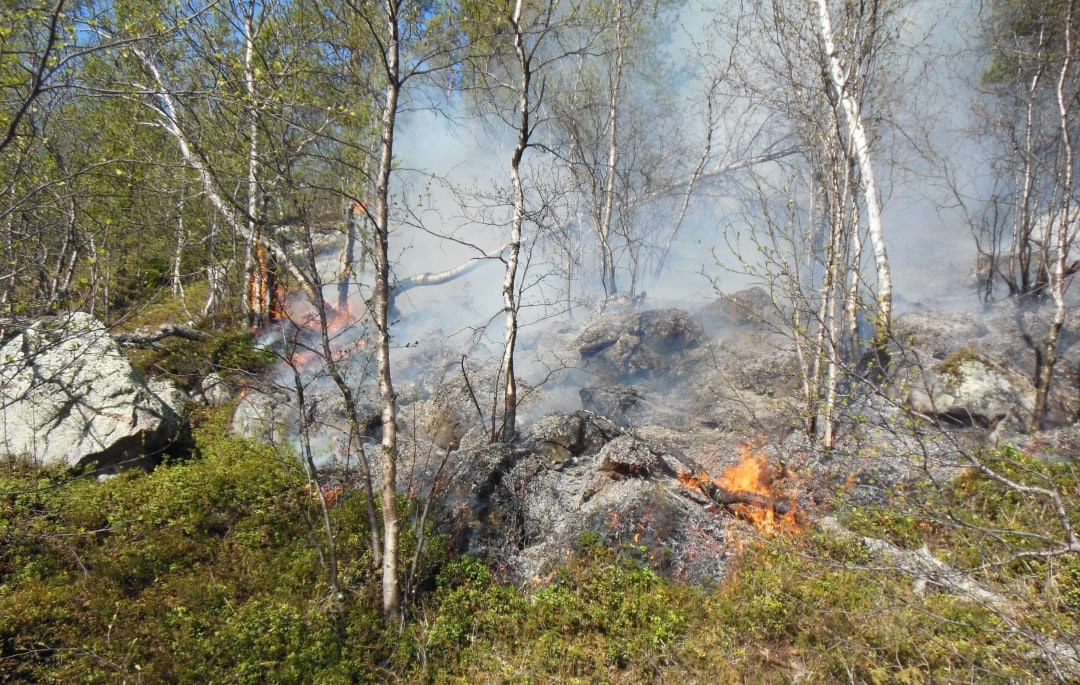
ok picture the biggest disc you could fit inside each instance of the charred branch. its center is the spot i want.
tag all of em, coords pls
(711, 494)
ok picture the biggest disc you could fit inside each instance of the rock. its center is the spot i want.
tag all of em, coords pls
(633, 345)
(70, 397)
(215, 390)
(969, 389)
(938, 333)
(629, 456)
(559, 437)
(451, 410)
(623, 404)
(171, 395)
(265, 415)
(750, 306)
(527, 505)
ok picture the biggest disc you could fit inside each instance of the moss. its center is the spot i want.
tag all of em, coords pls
(209, 571)
(952, 366)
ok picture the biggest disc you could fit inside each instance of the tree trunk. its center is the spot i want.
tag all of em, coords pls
(1058, 267)
(604, 229)
(170, 121)
(261, 276)
(348, 255)
(860, 147)
(391, 603)
(317, 491)
(510, 399)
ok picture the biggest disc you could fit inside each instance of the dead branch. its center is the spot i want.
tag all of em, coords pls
(926, 569)
(429, 278)
(150, 340)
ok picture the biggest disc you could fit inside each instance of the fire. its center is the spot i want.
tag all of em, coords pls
(697, 481)
(752, 482)
(338, 321)
(752, 474)
(748, 490)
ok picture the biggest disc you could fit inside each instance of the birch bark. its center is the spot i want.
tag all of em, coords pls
(860, 147)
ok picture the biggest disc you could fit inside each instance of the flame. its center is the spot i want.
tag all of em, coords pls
(753, 481)
(338, 321)
(754, 474)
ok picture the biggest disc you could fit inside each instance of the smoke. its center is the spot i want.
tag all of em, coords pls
(450, 207)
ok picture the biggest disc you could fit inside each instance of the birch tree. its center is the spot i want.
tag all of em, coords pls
(513, 48)
(412, 41)
(615, 129)
(859, 144)
(812, 79)
(1029, 235)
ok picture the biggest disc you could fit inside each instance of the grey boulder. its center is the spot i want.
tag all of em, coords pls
(70, 397)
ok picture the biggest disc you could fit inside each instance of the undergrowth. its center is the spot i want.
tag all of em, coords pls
(209, 570)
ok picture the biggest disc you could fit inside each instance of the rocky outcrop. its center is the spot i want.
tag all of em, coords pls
(938, 334)
(988, 362)
(969, 389)
(265, 414)
(634, 345)
(527, 505)
(458, 404)
(215, 391)
(70, 397)
(746, 307)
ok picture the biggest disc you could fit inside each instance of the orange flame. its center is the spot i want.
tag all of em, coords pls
(755, 475)
(751, 484)
(337, 322)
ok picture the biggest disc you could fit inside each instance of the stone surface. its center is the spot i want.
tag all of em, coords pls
(745, 307)
(969, 389)
(632, 345)
(938, 333)
(215, 390)
(265, 415)
(452, 409)
(70, 397)
(525, 506)
(171, 395)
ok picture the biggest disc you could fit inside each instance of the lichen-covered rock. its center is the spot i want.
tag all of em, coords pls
(215, 390)
(938, 333)
(265, 415)
(745, 307)
(634, 344)
(527, 505)
(69, 396)
(558, 436)
(969, 389)
(169, 394)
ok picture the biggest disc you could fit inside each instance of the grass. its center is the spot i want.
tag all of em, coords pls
(209, 570)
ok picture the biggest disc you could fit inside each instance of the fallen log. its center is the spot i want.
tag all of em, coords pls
(713, 494)
(926, 569)
(150, 340)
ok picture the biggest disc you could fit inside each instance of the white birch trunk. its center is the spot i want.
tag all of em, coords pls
(258, 299)
(170, 121)
(177, 284)
(1065, 233)
(860, 146)
(509, 423)
(391, 600)
(613, 156)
